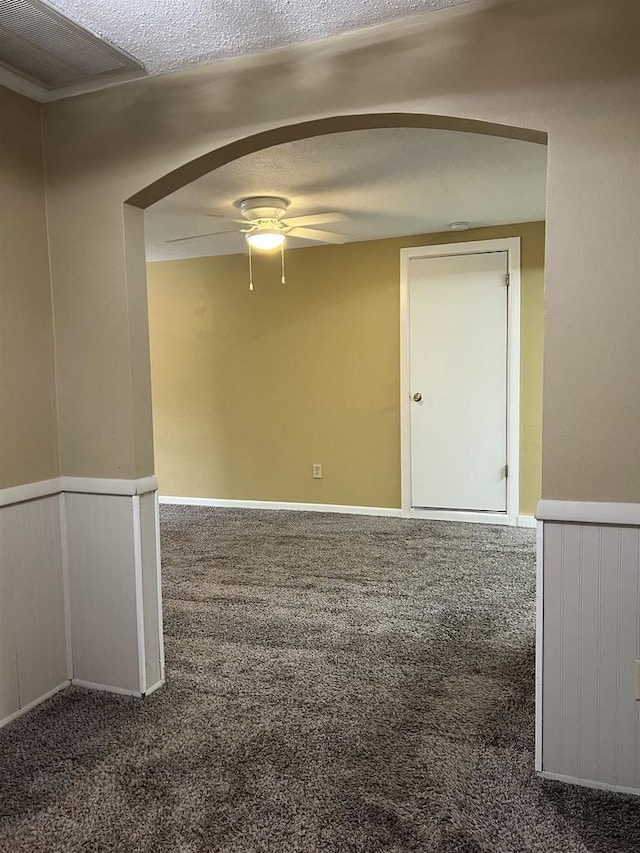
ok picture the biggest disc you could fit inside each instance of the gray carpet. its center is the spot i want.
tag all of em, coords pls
(335, 684)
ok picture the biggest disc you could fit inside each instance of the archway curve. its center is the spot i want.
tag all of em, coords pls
(200, 166)
(206, 163)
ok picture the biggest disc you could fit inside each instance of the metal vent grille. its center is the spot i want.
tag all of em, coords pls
(39, 43)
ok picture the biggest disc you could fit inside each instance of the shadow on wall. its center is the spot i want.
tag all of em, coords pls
(385, 63)
(213, 160)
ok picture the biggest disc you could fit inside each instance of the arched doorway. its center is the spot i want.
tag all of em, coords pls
(220, 157)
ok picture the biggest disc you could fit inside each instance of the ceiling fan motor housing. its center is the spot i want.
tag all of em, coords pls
(263, 207)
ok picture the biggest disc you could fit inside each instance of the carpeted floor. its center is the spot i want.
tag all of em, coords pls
(336, 684)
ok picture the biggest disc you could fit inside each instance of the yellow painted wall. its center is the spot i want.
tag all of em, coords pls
(28, 428)
(251, 389)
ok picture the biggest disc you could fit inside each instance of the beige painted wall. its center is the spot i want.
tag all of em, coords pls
(570, 69)
(28, 430)
(250, 389)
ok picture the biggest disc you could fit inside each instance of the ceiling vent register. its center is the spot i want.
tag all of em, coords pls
(43, 46)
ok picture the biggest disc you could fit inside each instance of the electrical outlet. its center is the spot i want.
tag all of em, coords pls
(317, 472)
(638, 680)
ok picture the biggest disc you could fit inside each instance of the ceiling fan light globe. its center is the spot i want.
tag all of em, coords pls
(266, 241)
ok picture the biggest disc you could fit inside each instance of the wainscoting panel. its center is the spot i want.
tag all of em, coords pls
(9, 698)
(154, 652)
(591, 640)
(102, 590)
(33, 617)
(79, 589)
(38, 596)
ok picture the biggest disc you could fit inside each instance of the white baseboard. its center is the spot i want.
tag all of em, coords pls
(104, 688)
(589, 783)
(281, 505)
(345, 509)
(26, 708)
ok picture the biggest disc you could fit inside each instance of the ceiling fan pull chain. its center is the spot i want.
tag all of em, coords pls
(282, 250)
(250, 270)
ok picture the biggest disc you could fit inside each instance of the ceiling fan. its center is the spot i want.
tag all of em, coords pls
(268, 225)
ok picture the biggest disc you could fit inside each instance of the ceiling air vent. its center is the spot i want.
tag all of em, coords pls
(40, 44)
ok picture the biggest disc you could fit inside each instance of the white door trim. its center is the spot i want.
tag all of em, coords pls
(510, 245)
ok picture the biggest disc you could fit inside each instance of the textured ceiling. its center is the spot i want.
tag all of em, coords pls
(166, 35)
(388, 182)
(169, 34)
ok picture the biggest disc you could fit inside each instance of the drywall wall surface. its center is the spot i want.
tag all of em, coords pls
(28, 429)
(251, 389)
(569, 70)
(592, 301)
(532, 262)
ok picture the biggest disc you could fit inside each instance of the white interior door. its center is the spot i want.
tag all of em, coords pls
(458, 350)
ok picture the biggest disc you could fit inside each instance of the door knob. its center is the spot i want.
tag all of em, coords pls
(417, 397)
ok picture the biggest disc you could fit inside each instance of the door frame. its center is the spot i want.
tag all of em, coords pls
(510, 245)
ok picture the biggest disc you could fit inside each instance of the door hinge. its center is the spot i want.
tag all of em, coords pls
(507, 279)
(506, 470)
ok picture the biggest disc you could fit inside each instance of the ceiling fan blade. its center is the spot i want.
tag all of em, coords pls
(197, 236)
(314, 219)
(227, 218)
(319, 236)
